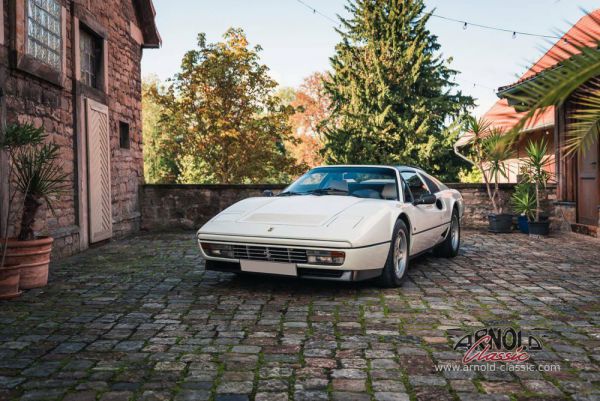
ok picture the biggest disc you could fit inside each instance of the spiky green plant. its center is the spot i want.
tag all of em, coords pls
(534, 171)
(14, 138)
(38, 176)
(524, 200)
(487, 151)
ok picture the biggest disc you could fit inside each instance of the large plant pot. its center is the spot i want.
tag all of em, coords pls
(539, 227)
(34, 258)
(9, 281)
(523, 223)
(500, 223)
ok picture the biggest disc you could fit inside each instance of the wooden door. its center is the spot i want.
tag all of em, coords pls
(98, 166)
(588, 186)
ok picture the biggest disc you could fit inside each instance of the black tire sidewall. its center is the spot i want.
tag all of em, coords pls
(389, 278)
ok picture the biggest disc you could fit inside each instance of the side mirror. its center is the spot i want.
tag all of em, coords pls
(428, 199)
(268, 193)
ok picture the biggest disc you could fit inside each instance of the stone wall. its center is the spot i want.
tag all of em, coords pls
(171, 207)
(57, 106)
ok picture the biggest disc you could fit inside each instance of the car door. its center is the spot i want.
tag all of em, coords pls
(427, 224)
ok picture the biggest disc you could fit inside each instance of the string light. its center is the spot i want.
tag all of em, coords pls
(494, 28)
(465, 25)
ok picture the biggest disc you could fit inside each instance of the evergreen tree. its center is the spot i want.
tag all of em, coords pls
(391, 91)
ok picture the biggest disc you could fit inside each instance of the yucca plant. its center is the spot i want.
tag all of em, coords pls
(534, 170)
(524, 200)
(16, 137)
(38, 177)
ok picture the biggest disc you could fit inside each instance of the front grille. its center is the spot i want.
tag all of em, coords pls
(271, 254)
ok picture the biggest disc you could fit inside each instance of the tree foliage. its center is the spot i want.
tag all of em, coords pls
(223, 117)
(391, 91)
(160, 145)
(312, 105)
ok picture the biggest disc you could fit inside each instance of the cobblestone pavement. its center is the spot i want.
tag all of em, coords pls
(141, 319)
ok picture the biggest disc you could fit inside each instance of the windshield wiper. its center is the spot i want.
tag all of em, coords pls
(291, 193)
(325, 191)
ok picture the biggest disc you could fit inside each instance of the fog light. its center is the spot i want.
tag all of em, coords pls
(333, 258)
(218, 250)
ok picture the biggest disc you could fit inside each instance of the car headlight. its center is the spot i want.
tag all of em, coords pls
(333, 258)
(218, 250)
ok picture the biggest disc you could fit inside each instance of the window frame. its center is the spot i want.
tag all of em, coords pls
(29, 20)
(416, 172)
(82, 22)
(21, 60)
(121, 125)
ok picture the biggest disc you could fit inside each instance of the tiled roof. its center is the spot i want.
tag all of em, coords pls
(584, 33)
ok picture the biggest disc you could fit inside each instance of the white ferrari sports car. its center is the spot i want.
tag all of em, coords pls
(344, 223)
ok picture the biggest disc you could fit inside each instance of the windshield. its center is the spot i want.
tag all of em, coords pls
(362, 182)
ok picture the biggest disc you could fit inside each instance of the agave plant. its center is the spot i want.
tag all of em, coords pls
(575, 75)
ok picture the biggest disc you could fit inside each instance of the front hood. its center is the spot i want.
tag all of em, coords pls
(309, 217)
(307, 210)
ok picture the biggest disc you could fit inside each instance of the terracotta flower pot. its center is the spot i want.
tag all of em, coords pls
(9, 281)
(34, 258)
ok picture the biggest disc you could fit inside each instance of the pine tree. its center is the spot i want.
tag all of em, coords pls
(392, 92)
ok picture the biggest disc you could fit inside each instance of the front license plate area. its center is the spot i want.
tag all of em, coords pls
(258, 266)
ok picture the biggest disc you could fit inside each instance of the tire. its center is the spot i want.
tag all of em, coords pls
(396, 265)
(449, 248)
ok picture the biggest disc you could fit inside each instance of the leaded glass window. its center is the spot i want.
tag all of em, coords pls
(90, 48)
(44, 41)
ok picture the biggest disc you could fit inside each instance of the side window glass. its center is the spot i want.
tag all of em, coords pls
(416, 185)
(431, 184)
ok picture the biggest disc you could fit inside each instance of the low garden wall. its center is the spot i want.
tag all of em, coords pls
(174, 206)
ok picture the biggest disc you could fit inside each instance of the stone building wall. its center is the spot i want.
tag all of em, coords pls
(58, 108)
(172, 207)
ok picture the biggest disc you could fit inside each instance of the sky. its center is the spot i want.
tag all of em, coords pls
(297, 42)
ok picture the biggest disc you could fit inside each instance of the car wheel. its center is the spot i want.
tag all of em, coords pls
(449, 248)
(396, 265)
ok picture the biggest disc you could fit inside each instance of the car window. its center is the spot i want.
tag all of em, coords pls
(416, 185)
(433, 187)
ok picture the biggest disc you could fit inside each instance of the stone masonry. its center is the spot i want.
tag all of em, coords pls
(140, 319)
(173, 207)
(32, 95)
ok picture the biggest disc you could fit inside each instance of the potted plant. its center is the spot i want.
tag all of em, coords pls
(535, 174)
(524, 203)
(36, 176)
(489, 150)
(13, 139)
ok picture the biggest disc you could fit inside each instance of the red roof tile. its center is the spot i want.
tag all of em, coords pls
(584, 33)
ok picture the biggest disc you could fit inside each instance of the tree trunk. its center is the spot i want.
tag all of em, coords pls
(30, 208)
(537, 202)
(487, 186)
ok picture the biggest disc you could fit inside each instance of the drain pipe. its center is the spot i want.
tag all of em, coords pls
(465, 158)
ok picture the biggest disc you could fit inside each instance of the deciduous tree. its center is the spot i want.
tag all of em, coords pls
(223, 111)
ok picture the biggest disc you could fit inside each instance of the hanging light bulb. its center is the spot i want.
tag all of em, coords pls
(514, 35)
(465, 26)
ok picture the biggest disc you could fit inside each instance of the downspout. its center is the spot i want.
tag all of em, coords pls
(4, 198)
(465, 158)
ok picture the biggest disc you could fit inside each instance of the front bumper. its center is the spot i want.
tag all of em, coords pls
(359, 264)
(308, 273)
